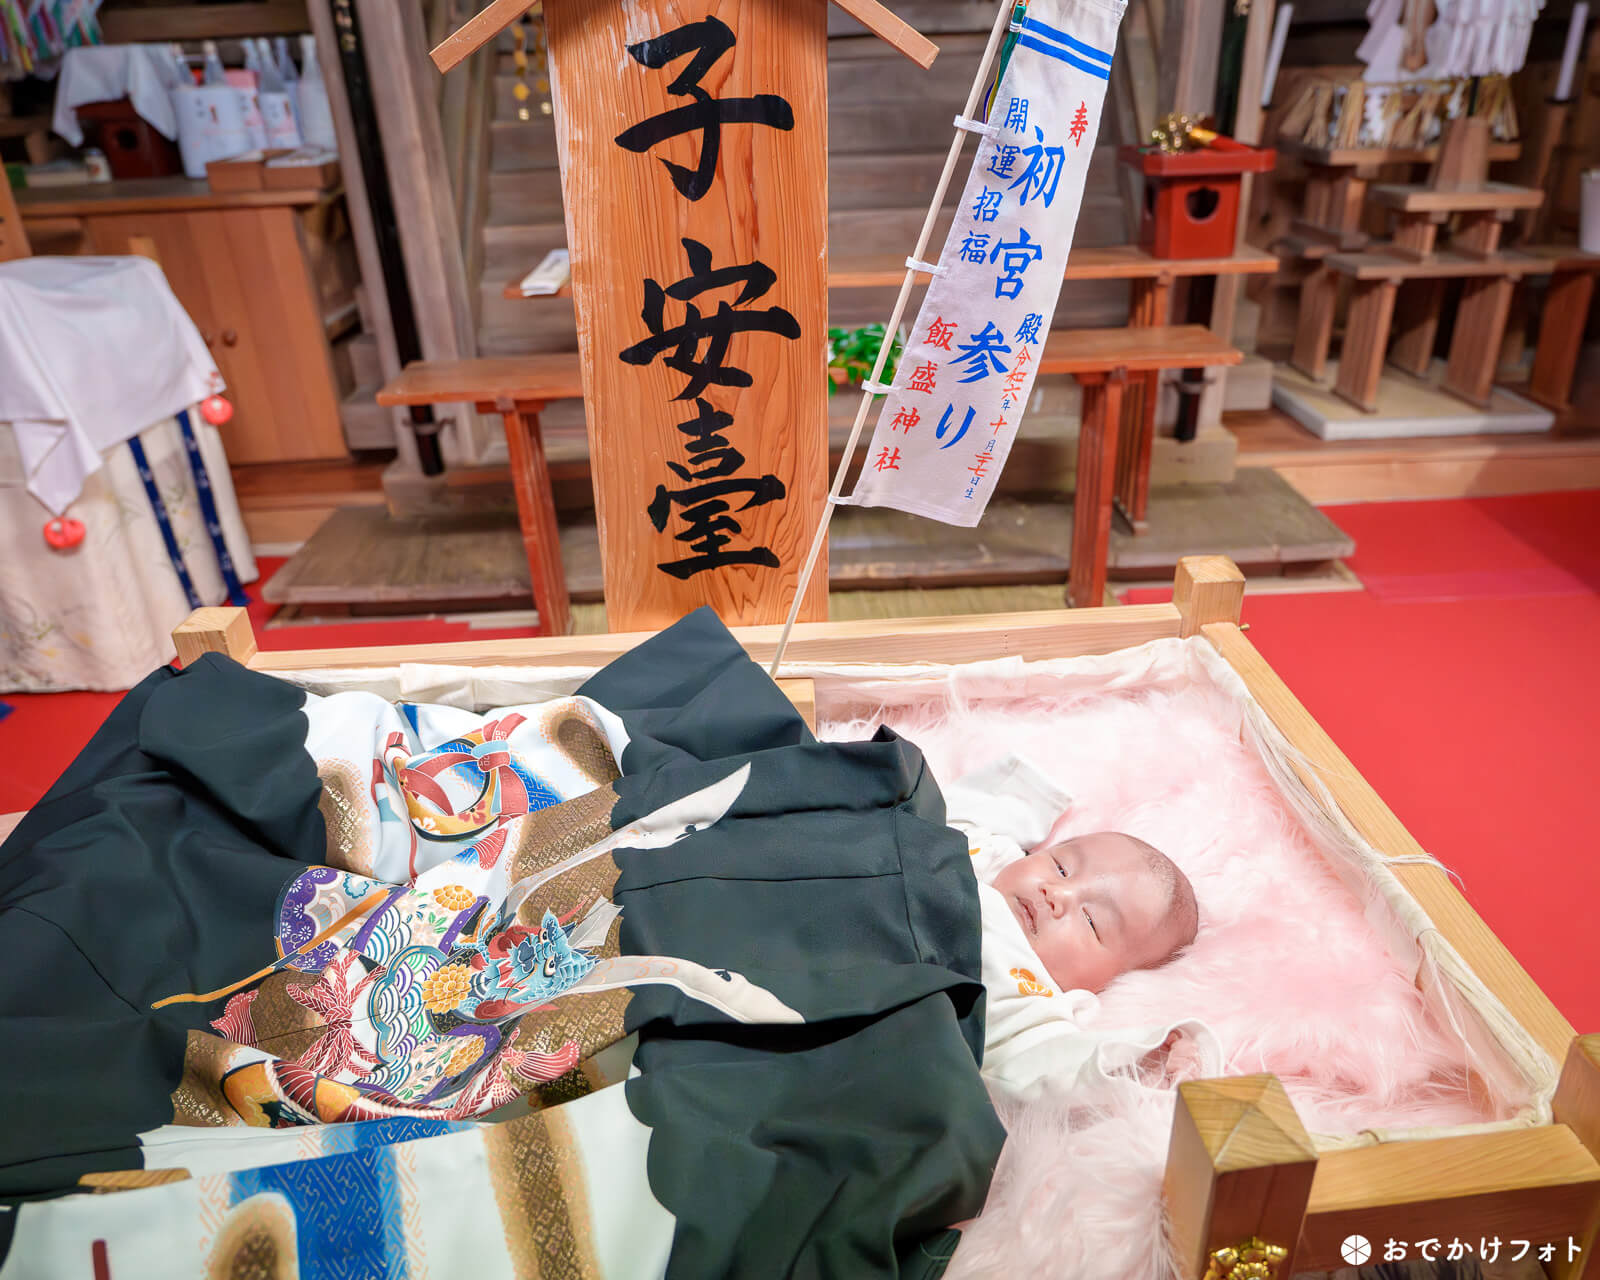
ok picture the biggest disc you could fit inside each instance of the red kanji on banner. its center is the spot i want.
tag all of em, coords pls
(997, 424)
(939, 334)
(887, 459)
(922, 377)
(1080, 124)
(904, 420)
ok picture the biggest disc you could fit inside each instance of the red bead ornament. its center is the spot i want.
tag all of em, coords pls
(63, 534)
(216, 409)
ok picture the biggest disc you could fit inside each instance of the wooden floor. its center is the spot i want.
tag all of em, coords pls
(362, 560)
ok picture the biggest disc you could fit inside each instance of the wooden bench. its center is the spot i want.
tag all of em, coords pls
(517, 388)
(1150, 280)
(1101, 360)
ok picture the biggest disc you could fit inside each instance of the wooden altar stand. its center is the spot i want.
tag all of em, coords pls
(1459, 196)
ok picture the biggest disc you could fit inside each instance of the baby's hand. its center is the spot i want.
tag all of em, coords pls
(1176, 1058)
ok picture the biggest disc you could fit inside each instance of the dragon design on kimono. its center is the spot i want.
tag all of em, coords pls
(419, 1009)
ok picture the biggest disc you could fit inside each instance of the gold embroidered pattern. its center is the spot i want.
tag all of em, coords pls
(257, 1242)
(198, 1099)
(593, 1019)
(547, 836)
(573, 727)
(538, 1188)
(568, 1088)
(344, 804)
(283, 1026)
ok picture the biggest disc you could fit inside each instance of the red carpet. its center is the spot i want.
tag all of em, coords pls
(1464, 683)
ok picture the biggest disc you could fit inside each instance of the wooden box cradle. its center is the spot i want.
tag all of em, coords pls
(1240, 1166)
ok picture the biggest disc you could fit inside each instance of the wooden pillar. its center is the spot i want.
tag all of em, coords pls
(1239, 1168)
(362, 231)
(536, 514)
(1417, 306)
(405, 95)
(13, 239)
(1248, 114)
(1151, 305)
(1319, 298)
(1207, 589)
(223, 629)
(1416, 325)
(1475, 345)
(1366, 335)
(1091, 499)
(1478, 235)
(1577, 1105)
(1562, 320)
(699, 274)
(1535, 169)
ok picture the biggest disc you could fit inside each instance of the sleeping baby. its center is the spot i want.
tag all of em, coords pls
(1059, 924)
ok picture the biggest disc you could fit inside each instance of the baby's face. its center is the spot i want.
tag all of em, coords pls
(1091, 907)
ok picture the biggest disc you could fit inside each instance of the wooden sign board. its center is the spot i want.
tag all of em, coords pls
(693, 147)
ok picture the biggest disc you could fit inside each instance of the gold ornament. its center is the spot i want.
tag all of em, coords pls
(1255, 1259)
(1180, 131)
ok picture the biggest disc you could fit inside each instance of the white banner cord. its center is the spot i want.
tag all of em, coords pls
(979, 83)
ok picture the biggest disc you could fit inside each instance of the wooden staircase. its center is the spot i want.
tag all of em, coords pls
(889, 125)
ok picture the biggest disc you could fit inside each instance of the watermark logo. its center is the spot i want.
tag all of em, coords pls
(1356, 1250)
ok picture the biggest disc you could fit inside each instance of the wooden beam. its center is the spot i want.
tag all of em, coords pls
(803, 693)
(496, 16)
(1191, 49)
(892, 30)
(160, 23)
(1577, 1105)
(1033, 635)
(1239, 1168)
(1320, 762)
(1207, 589)
(223, 629)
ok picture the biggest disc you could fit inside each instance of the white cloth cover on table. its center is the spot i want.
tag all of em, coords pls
(100, 616)
(92, 351)
(145, 74)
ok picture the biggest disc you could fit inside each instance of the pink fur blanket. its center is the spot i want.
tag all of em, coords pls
(1286, 970)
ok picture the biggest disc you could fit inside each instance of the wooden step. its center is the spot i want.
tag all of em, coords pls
(1333, 471)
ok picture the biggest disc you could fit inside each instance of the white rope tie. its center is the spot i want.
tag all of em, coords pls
(917, 264)
(978, 127)
(877, 388)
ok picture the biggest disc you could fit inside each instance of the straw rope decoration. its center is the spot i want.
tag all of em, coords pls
(1328, 113)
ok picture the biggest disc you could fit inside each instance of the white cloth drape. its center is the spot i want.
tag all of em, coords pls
(92, 351)
(143, 73)
(101, 615)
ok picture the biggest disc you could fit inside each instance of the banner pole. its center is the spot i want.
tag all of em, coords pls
(996, 37)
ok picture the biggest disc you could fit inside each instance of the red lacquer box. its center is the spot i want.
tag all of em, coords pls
(1191, 198)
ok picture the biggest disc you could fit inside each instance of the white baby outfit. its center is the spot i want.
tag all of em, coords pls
(1034, 1031)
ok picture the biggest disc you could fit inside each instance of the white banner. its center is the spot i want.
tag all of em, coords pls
(969, 363)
